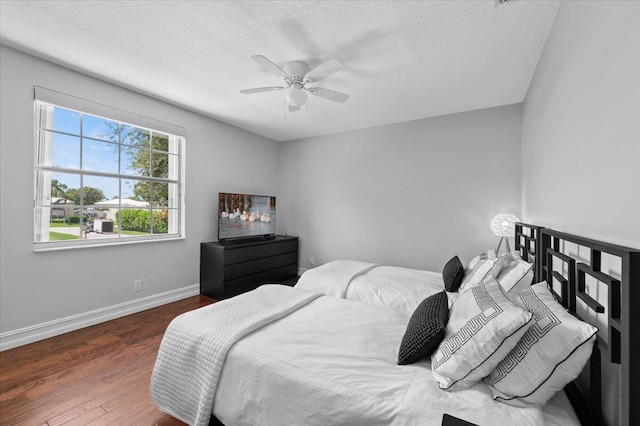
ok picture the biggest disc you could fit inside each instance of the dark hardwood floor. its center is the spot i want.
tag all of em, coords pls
(95, 376)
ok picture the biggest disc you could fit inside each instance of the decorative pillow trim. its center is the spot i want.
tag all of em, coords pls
(479, 268)
(515, 332)
(500, 398)
(466, 333)
(484, 326)
(511, 268)
(556, 347)
(514, 275)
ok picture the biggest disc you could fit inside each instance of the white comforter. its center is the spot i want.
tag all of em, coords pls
(399, 288)
(195, 345)
(334, 362)
(333, 278)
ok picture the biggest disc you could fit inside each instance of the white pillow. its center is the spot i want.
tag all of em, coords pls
(489, 254)
(551, 353)
(477, 270)
(484, 326)
(515, 254)
(513, 274)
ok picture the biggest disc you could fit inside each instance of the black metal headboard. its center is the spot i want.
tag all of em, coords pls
(528, 242)
(581, 259)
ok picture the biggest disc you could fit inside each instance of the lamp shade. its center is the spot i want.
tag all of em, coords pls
(503, 224)
(295, 97)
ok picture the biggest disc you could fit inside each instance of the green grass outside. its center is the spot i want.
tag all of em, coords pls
(115, 228)
(58, 236)
(63, 225)
(128, 232)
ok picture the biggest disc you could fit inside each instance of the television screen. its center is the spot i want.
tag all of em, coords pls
(244, 215)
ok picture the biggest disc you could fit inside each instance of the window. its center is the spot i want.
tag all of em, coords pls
(103, 180)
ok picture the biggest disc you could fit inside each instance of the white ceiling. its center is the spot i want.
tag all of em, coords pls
(403, 60)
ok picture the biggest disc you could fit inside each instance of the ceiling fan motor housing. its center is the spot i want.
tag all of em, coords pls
(297, 70)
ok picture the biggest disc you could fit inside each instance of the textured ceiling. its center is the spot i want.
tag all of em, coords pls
(403, 60)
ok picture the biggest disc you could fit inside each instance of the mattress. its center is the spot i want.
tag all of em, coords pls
(334, 361)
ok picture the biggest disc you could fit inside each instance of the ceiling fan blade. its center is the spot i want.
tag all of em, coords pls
(261, 89)
(269, 66)
(293, 108)
(324, 69)
(328, 94)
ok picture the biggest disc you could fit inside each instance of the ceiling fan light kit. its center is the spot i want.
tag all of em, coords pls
(295, 97)
(297, 75)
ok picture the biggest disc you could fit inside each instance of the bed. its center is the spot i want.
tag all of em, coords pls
(319, 358)
(395, 287)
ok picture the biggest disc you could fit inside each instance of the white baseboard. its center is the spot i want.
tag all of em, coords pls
(23, 336)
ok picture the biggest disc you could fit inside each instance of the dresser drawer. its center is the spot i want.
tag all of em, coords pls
(242, 285)
(282, 247)
(282, 274)
(243, 254)
(282, 260)
(239, 270)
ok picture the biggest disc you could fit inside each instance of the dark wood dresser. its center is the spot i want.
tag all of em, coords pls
(228, 269)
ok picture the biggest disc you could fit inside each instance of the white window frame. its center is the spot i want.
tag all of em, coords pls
(43, 151)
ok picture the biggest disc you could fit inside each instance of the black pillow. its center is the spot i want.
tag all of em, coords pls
(452, 274)
(425, 330)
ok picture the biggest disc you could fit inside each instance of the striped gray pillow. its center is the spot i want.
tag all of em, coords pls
(513, 274)
(478, 269)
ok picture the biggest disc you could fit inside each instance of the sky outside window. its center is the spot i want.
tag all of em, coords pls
(102, 151)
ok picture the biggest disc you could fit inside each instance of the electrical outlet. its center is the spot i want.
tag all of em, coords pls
(311, 262)
(137, 285)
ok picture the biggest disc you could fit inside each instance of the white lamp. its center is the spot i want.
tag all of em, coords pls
(503, 226)
(295, 97)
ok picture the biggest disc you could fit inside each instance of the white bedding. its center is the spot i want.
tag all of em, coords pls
(334, 361)
(195, 345)
(396, 287)
(333, 278)
(399, 288)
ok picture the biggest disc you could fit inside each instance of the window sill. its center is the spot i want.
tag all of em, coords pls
(43, 247)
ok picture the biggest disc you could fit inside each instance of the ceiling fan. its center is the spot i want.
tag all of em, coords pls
(297, 75)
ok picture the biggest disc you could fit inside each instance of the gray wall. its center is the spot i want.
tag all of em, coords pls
(37, 288)
(581, 125)
(411, 194)
(581, 135)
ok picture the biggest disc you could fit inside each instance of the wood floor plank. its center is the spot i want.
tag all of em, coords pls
(139, 401)
(38, 412)
(78, 415)
(96, 375)
(84, 419)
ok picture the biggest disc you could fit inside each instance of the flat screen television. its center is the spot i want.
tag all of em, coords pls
(245, 216)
